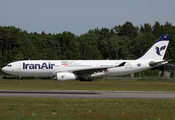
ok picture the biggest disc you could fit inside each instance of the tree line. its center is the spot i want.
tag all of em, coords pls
(120, 42)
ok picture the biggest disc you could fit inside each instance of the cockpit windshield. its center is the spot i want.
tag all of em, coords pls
(9, 65)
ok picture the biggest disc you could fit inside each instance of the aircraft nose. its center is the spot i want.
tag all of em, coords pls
(3, 69)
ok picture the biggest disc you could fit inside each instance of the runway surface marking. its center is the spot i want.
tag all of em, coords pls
(87, 94)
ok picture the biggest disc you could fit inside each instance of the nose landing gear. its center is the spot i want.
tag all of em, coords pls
(20, 77)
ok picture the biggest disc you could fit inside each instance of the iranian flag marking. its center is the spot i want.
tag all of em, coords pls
(64, 63)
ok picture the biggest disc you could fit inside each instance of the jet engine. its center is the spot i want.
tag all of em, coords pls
(66, 76)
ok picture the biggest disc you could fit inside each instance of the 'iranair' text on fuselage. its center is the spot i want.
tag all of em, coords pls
(38, 66)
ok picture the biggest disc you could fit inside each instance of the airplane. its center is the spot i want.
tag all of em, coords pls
(63, 70)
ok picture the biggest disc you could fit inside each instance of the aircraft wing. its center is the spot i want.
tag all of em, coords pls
(95, 69)
(90, 70)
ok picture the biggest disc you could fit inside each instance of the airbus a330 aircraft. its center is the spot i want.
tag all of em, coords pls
(84, 69)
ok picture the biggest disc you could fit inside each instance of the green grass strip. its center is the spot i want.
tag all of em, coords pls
(106, 84)
(85, 108)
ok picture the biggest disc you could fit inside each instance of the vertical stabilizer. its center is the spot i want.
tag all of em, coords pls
(157, 51)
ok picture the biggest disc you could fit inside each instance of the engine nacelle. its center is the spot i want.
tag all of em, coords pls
(66, 76)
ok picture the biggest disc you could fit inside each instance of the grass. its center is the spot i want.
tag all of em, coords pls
(17, 108)
(106, 84)
(83, 108)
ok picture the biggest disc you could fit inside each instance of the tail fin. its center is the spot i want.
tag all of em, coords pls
(157, 51)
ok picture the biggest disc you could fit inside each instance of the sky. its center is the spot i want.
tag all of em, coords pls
(79, 16)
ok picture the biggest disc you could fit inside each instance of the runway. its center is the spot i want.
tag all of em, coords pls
(87, 94)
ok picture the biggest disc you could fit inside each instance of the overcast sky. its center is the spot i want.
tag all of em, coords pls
(78, 16)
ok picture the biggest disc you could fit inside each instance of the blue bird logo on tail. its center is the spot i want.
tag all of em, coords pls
(160, 49)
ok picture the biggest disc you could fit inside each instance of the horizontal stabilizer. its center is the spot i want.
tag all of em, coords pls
(153, 64)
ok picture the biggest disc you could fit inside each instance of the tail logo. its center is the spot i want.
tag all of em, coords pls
(160, 49)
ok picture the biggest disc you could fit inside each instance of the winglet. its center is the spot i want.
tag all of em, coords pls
(122, 64)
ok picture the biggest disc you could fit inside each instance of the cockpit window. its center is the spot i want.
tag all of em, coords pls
(9, 65)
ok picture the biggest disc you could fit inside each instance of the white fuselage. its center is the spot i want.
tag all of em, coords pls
(42, 68)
